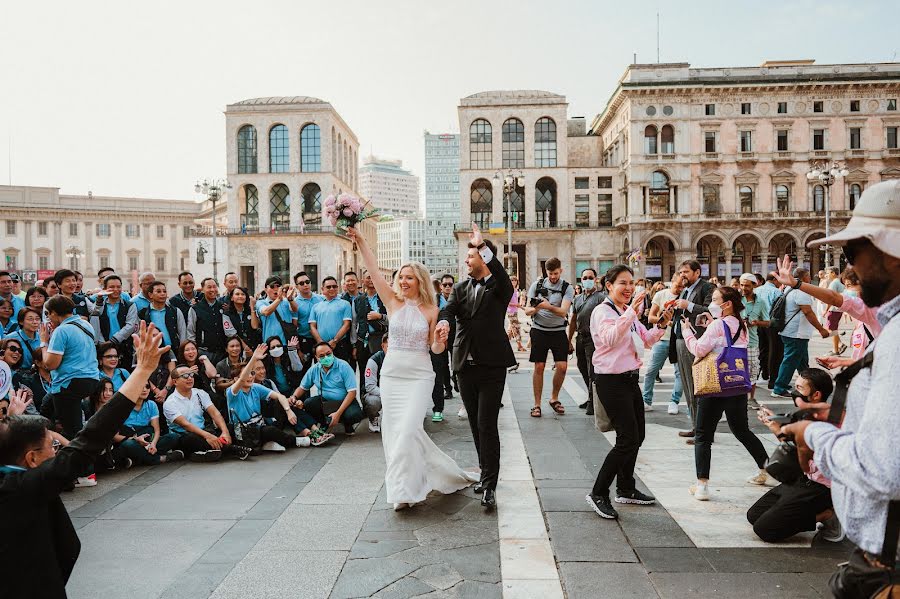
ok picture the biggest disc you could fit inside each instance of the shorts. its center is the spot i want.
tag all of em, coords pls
(834, 319)
(552, 341)
(753, 358)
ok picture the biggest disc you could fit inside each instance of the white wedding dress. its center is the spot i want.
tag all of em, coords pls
(415, 465)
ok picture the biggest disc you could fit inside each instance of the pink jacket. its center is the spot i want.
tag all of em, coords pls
(614, 350)
(864, 315)
(714, 337)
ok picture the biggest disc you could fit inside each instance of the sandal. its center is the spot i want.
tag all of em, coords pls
(536, 412)
(557, 407)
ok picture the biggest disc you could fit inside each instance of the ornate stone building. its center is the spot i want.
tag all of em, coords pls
(714, 161)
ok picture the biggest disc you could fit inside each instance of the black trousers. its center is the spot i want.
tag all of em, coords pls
(344, 351)
(709, 412)
(63, 408)
(190, 443)
(270, 433)
(481, 388)
(584, 351)
(776, 355)
(362, 358)
(788, 509)
(763, 351)
(315, 408)
(440, 363)
(620, 395)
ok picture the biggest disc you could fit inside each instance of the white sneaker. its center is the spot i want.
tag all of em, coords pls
(648, 407)
(375, 424)
(302, 441)
(831, 530)
(400, 506)
(700, 491)
(673, 408)
(273, 446)
(86, 481)
(759, 479)
(462, 412)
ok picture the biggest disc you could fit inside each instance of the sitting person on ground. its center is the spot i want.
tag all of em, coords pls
(229, 366)
(139, 439)
(27, 336)
(108, 357)
(285, 370)
(804, 504)
(34, 474)
(12, 377)
(336, 384)
(184, 410)
(306, 425)
(201, 367)
(372, 399)
(245, 399)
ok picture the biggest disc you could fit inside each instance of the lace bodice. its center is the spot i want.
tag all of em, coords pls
(409, 329)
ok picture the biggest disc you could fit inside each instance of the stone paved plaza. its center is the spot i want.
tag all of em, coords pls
(314, 522)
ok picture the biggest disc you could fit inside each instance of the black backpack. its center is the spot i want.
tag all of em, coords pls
(778, 313)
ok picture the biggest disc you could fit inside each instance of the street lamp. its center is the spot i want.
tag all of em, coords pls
(74, 253)
(510, 182)
(213, 190)
(826, 173)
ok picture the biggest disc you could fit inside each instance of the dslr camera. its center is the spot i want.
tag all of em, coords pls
(541, 293)
(783, 465)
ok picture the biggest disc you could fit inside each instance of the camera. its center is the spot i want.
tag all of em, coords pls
(541, 293)
(783, 465)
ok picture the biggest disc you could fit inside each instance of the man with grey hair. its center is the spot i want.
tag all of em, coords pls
(800, 326)
(142, 299)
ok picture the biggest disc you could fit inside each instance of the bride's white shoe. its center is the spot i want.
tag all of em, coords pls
(400, 506)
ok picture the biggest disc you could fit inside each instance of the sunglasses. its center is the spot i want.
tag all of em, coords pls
(303, 282)
(186, 375)
(275, 286)
(446, 284)
(13, 348)
(331, 287)
(588, 278)
(111, 356)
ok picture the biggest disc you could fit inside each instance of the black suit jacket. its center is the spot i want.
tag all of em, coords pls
(480, 324)
(36, 523)
(701, 297)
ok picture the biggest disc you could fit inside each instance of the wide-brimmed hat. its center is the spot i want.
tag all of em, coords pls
(876, 218)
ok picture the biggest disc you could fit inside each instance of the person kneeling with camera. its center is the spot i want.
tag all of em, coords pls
(802, 501)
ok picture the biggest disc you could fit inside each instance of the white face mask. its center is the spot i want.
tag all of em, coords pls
(588, 284)
(638, 289)
(276, 352)
(715, 310)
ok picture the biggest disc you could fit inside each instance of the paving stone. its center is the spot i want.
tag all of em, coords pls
(584, 537)
(481, 562)
(198, 582)
(622, 581)
(439, 576)
(565, 499)
(470, 589)
(365, 577)
(450, 535)
(651, 526)
(420, 556)
(737, 586)
(452, 503)
(273, 503)
(563, 483)
(404, 589)
(325, 527)
(410, 519)
(235, 543)
(773, 560)
(261, 575)
(673, 559)
(387, 535)
(374, 548)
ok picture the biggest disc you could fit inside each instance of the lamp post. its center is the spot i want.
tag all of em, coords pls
(510, 181)
(74, 253)
(827, 173)
(213, 190)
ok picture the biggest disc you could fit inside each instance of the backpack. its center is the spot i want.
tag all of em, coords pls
(778, 313)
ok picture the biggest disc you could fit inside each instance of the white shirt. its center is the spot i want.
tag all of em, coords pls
(192, 408)
(5, 380)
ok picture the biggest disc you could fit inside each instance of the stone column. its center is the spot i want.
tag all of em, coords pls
(28, 260)
(58, 255)
(88, 248)
(118, 261)
(148, 256)
(728, 256)
(497, 204)
(764, 256)
(175, 265)
(529, 202)
(296, 208)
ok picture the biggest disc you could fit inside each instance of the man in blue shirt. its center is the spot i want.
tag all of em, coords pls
(114, 318)
(6, 292)
(305, 302)
(168, 319)
(72, 361)
(276, 309)
(142, 299)
(336, 384)
(330, 321)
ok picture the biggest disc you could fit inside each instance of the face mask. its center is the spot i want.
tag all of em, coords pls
(638, 289)
(327, 361)
(715, 310)
(276, 352)
(588, 284)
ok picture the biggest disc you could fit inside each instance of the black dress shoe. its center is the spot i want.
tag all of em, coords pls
(479, 487)
(448, 394)
(584, 405)
(489, 500)
(590, 409)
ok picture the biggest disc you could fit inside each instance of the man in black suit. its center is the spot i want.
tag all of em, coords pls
(481, 352)
(692, 302)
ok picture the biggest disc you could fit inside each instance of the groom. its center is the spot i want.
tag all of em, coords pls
(482, 353)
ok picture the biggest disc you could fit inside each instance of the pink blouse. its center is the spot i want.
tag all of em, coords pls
(714, 337)
(513, 307)
(864, 316)
(614, 350)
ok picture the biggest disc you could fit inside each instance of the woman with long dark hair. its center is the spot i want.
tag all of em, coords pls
(201, 366)
(7, 323)
(619, 342)
(240, 312)
(108, 358)
(725, 309)
(283, 366)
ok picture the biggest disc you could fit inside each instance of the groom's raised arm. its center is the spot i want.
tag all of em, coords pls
(504, 284)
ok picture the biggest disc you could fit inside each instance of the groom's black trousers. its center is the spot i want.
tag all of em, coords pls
(481, 388)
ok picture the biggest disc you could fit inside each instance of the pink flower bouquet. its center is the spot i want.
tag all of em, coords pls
(345, 210)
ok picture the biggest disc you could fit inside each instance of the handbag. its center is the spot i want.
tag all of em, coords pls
(726, 374)
(602, 421)
(288, 328)
(249, 432)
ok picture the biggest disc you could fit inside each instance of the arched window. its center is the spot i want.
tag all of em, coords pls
(333, 142)
(280, 206)
(310, 149)
(249, 207)
(346, 162)
(279, 149)
(711, 204)
(246, 149)
(659, 181)
(855, 192)
(746, 199)
(513, 144)
(819, 199)
(340, 152)
(650, 140)
(482, 202)
(312, 204)
(659, 193)
(545, 202)
(545, 142)
(516, 203)
(480, 142)
(782, 198)
(667, 139)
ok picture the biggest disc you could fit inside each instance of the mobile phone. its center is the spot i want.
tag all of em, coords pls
(821, 362)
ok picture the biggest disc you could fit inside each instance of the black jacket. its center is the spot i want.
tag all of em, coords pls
(361, 309)
(480, 326)
(36, 523)
(183, 304)
(701, 298)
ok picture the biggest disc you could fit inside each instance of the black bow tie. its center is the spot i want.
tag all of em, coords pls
(476, 282)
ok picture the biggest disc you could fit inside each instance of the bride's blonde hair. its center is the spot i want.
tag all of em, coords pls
(426, 290)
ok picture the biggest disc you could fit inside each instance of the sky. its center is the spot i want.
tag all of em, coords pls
(127, 99)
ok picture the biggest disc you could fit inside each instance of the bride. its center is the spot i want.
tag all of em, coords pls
(415, 465)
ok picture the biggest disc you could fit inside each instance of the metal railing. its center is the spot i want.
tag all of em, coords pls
(536, 226)
(285, 230)
(731, 216)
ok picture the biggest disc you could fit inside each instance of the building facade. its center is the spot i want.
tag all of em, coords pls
(285, 156)
(714, 161)
(401, 241)
(390, 187)
(562, 202)
(44, 231)
(441, 202)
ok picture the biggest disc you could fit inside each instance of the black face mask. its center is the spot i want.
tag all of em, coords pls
(796, 395)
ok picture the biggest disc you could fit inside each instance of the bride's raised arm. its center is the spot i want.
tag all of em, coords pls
(385, 292)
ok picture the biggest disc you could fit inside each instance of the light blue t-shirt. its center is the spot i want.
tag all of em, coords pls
(768, 292)
(373, 307)
(120, 375)
(112, 310)
(34, 344)
(755, 310)
(329, 317)
(77, 349)
(798, 327)
(158, 317)
(304, 309)
(281, 379)
(140, 302)
(270, 325)
(142, 417)
(247, 404)
(336, 382)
